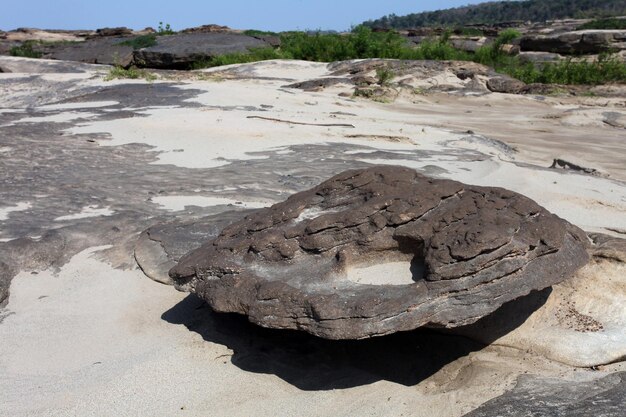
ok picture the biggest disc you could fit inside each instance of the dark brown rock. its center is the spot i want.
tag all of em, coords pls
(504, 84)
(119, 31)
(104, 50)
(327, 260)
(558, 163)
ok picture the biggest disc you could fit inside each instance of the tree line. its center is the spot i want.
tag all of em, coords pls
(504, 11)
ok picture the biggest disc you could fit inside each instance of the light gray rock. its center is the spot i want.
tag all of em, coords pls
(540, 397)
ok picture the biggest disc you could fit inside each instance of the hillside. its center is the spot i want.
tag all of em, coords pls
(505, 11)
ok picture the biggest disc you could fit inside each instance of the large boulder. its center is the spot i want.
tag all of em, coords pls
(182, 51)
(380, 250)
(578, 42)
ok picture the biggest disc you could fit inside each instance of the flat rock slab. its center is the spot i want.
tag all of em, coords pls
(181, 51)
(535, 397)
(105, 50)
(161, 246)
(380, 250)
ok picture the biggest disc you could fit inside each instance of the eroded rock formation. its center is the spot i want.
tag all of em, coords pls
(380, 250)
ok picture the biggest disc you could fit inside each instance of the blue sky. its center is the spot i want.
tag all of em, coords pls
(273, 15)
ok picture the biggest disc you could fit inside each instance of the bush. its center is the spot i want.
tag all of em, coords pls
(384, 76)
(612, 23)
(254, 32)
(25, 50)
(144, 41)
(493, 54)
(164, 30)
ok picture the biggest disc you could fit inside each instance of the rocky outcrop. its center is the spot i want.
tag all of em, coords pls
(118, 31)
(101, 50)
(380, 250)
(558, 163)
(578, 42)
(536, 396)
(181, 51)
(207, 29)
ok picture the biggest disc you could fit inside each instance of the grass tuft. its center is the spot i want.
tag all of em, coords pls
(118, 72)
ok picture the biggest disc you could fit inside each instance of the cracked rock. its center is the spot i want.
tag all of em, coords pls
(380, 250)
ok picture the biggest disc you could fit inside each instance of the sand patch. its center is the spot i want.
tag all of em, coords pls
(179, 202)
(6, 211)
(86, 212)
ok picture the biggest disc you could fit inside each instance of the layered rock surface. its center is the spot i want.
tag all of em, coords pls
(577, 42)
(380, 250)
(535, 396)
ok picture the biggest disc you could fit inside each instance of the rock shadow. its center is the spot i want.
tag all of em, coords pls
(311, 363)
(504, 320)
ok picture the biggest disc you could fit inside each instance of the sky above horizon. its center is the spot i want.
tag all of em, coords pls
(274, 15)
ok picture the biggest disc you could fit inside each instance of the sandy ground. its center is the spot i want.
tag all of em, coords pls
(87, 339)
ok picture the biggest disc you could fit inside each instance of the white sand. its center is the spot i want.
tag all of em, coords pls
(86, 212)
(179, 202)
(6, 211)
(389, 273)
(90, 341)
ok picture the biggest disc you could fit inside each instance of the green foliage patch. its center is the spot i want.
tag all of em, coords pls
(144, 41)
(612, 23)
(164, 30)
(504, 11)
(118, 72)
(25, 50)
(363, 43)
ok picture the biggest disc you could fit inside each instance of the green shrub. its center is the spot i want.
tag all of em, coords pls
(25, 50)
(164, 30)
(464, 31)
(384, 75)
(612, 23)
(254, 32)
(493, 55)
(144, 41)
